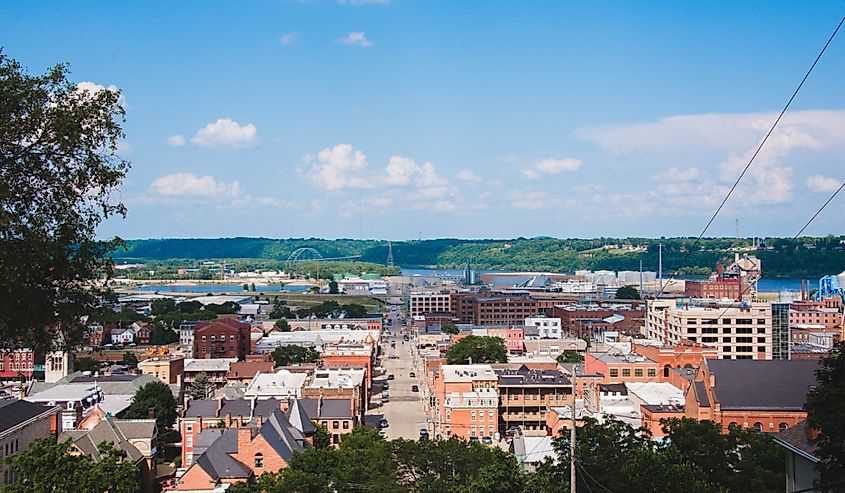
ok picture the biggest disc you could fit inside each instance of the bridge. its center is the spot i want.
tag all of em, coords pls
(307, 254)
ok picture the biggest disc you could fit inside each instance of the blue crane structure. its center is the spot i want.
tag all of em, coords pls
(829, 286)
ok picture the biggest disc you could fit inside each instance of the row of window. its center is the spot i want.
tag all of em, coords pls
(638, 372)
(221, 338)
(481, 416)
(18, 366)
(336, 425)
(758, 426)
(20, 356)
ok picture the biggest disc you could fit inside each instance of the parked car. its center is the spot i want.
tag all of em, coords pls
(487, 440)
(390, 376)
(412, 375)
(415, 388)
(385, 386)
(423, 434)
(382, 423)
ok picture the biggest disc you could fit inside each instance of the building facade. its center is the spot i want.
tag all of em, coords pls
(224, 338)
(431, 302)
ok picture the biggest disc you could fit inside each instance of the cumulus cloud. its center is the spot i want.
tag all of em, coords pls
(819, 183)
(551, 167)
(343, 167)
(190, 185)
(176, 140)
(676, 174)
(226, 132)
(290, 38)
(468, 176)
(355, 38)
(93, 88)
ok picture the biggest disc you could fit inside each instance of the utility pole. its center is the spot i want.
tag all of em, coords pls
(572, 435)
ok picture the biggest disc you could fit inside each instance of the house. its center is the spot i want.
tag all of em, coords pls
(16, 364)
(122, 335)
(223, 338)
(237, 454)
(142, 332)
(136, 437)
(335, 415)
(215, 368)
(21, 422)
(168, 369)
(525, 395)
(799, 442)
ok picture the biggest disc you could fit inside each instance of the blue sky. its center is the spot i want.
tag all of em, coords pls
(398, 119)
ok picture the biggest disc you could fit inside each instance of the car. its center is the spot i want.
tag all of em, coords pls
(385, 386)
(382, 423)
(385, 399)
(412, 375)
(473, 439)
(423, 434)
(390, 376)
(415, 388)
(487, 440)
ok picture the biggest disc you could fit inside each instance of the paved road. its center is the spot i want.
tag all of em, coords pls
(404, 411)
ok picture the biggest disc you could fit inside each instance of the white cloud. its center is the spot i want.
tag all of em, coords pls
(290, 38)
(337, 168)
(226, 132)
(819, 183)
(676, 174)
(356, 38)
(359, 3)
(468, 176)
(190, 185)
(176, 140)
(342, 167)
(551, 167)
(93, 87)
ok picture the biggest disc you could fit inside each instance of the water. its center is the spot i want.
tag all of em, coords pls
(764, 285)
(220, 288)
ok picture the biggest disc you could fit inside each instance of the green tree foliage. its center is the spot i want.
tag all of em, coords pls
(58, 168)
(282, 325)
(321, 438)
(226, 308)
(86, 364)
(478, 349)
(333, 287)
(449, 329)
(47, 466)
(294, 355)
(627, 293)
(826, 412)
(154, 397)
(695, 457)
(162, 334)
(130, 359)
(189, 306)
(332, 309)
(163, 305)
(200, 387)
(281, 311)
(570, 356)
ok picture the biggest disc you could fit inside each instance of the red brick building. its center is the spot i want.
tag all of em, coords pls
(826, 313)
(503, 309)
(15, 363)
(224, 338)
(730, 288)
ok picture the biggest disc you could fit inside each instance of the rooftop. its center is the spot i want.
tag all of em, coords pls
(763, 384)
(523, 376)
(13, 412)
(655, 392)
(211, 364)
(283, 383)
(468, 373)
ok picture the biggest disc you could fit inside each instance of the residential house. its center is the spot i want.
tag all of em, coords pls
(337, 416)
(799, 442)
(168, 369)
(122, 335)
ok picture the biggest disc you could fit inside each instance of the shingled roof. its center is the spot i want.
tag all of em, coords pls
(13, 412)
(762, 384)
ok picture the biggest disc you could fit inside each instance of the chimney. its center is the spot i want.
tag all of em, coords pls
(219, 406)
(260, 420)
(228, 420)
(244, 438)
(712, 381)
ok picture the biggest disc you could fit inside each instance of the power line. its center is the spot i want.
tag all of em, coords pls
(756, 152)
(821, 209)
(584, 472)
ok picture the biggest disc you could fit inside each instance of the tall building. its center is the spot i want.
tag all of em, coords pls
(422, 303)
(736, 330)
(780, 331)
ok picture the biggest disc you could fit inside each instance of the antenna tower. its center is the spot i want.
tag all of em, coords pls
(390, 254)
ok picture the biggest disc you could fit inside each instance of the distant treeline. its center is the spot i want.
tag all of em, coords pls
(807, 257)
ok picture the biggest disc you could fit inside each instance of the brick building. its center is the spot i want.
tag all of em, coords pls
(223, 338)
(826, 313)
(467, 400)
(526, 395)
(503, 310)
(621, 368)
(429, 302)
(21, 423)
(731, 288)
(16, 363)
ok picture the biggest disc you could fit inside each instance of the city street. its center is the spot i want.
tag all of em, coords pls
(404, 411)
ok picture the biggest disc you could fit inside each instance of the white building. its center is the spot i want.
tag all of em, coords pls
(122, 336)
(429, 302)
(547, 327)
(280, 385)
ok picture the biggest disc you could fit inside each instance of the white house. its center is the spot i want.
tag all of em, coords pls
(122, 336)
(548, 327)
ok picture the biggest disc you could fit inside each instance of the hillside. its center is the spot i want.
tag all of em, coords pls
(805, 257)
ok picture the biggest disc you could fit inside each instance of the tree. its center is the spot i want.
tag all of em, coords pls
(58, 169)
(86, 364)
(130, 359)
(627, 293)
(825, 412)
(478, 349)
(570, 356)
(154, 398)
(449, 329)
(281, 311)
(189, 306)
(200, 386)
(333, 287)
(164, 305)
(228, 307)
(48, 466)
(252, 287)
(321, 438)
(246, 287)
(162, 334)
(282, 325)
(294, 355)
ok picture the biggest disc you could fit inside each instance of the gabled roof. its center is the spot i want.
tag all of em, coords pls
(700, 394)
(216, 461)
(13, 412)
(762, 384)
(284, 438)
(118, 432)
(328, 408)
(298, 418)
(796, 439)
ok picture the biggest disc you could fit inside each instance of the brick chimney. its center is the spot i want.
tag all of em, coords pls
(220, 401)
(244, 438)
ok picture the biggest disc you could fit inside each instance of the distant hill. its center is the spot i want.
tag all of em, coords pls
(805, 257)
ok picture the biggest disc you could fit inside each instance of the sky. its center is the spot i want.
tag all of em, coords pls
(399, 119)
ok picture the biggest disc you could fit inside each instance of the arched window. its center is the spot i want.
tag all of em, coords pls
(666, 371)
(782, 427)
(758, 426)
(733, 425)
(687, 365)
(259, 460)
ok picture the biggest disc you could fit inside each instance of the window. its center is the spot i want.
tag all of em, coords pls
(782, 427)
(346, 425)
(189, 441)
(761, 349)
(761, 340)
(726, 321)
(733, 426)
(490, 430)
(626, 372)
(472, 431)
(758, 426)
(259, 460)
(614, 372)
(726, 330)
(472, 416)
(726, 339)
(638, 372)
(652, 373)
